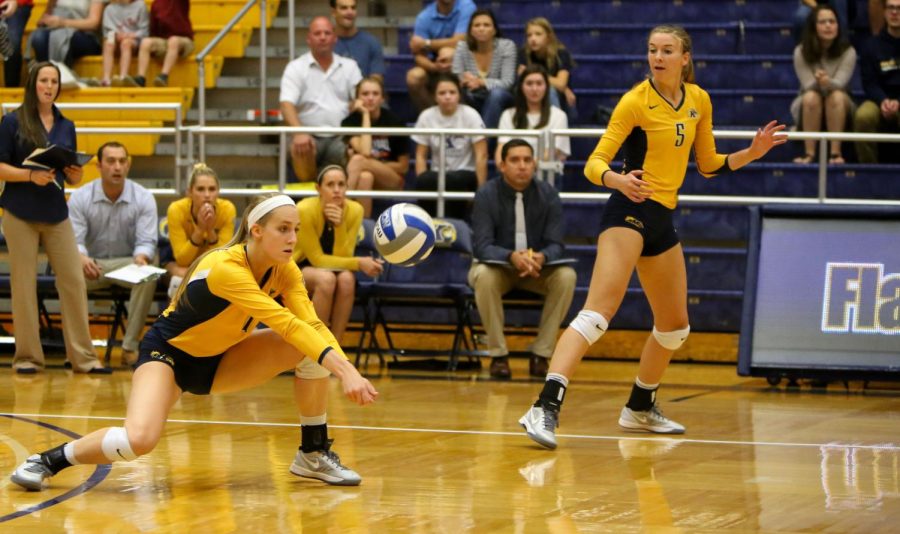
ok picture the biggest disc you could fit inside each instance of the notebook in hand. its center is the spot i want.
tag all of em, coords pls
(135, 274)
(55, 157)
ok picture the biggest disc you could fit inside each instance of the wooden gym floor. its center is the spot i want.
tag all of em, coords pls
(443, 453)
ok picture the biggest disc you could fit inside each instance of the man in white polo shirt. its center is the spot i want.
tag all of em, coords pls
(316, 90)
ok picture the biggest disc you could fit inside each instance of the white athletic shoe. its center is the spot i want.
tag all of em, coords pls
(651, 420)
(540, 425)
(326, 466)
(32, 474)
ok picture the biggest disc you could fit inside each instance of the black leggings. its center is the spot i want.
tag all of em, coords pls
(456, 181)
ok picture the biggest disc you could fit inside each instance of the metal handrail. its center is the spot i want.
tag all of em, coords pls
(292, 26)
(822, 137)
(546, 138)
(201, 68)
(175, 130)
(325, 130)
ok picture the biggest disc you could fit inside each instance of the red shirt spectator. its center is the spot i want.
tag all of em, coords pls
(169, 18)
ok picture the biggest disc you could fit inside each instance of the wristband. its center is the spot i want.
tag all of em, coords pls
(601, 177)
(195, 244)
(324, 353)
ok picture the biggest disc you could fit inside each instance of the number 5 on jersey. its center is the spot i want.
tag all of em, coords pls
(679, 133)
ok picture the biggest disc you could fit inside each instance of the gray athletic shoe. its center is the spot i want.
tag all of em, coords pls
(651, 420)
(32, 474)
(326, 466)
(540, 425)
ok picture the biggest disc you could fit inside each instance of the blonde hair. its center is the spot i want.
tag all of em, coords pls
(551, 54)
(180, 299)
(201, 169)
(687, 72)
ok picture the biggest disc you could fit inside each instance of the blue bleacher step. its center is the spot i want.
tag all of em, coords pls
(647, 11)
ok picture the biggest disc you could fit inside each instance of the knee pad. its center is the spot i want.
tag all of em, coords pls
(115, 445)
(309, 369)
(590, 324)
(672, 340)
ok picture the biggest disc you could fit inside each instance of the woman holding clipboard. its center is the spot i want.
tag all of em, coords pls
(35, 212)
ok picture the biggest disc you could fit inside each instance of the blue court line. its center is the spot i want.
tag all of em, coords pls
(97, 477)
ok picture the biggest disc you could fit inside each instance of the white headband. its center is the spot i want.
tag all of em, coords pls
(266, 206)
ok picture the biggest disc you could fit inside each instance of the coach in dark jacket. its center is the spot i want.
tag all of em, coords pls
(518, 229)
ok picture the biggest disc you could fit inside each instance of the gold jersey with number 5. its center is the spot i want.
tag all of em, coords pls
(657, 137)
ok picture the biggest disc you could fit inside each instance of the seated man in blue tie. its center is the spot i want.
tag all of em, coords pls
(517, 228)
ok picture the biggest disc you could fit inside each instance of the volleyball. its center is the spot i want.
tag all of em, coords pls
(404, 234)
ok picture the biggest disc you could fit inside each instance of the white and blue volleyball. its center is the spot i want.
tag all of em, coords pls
(404, 234)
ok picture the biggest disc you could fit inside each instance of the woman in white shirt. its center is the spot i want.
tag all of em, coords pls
(465, 156)
(533, 111)
(824, 62)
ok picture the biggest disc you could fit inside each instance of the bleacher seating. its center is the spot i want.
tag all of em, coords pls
(183, 74)
(743, 59)
(212, 12)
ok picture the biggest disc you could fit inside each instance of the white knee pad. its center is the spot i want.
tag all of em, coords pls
(672, 340)
(115, 445)
(590, 324)
(308, 368)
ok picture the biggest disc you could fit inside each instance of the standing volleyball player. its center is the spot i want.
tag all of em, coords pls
(206, 341)
(657, 123)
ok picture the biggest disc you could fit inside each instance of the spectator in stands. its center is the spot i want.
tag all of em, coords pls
(543, 48)
(354, 43)
(442, 24)
(171, 37)
(841, 9)
(657, 124)
(465, 155)
(35, 213)
(199, 222)
(881, 82)
(486, 65)
(204, 343)
(125, 24)
(824, 63)
(16, 14)
(377, 161)
(115, 225)
(517, 229)
(326, 239)
(533, 111)
(67, 32)
(316, 90)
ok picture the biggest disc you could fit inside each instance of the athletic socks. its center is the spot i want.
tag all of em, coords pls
(554, 391)
(69, 451)
(643, 396)
(55, 459)
(313, 433)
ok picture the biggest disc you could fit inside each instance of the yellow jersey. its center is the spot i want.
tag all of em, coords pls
(312, 224)
(181, 225)
(657, 137)
(226, 304)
